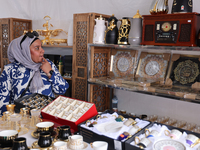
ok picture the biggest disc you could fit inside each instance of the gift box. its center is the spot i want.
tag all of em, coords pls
(69, 111)
(161, 139)
(106, 120)
(33, 101)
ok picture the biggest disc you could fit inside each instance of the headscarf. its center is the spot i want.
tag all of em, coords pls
(20, 52)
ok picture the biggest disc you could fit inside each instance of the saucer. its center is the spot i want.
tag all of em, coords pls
(36, 134)
(84, 147)
(36, 146)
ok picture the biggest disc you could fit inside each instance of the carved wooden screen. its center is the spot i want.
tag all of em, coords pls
(99, 67)
(82, 35)
(11, 28)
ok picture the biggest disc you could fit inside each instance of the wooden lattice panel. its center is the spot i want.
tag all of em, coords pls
(11, 28)
(100, 94)
(83, 34)
(80, 89)
(19, 26)
(81, 46)
(100, 64)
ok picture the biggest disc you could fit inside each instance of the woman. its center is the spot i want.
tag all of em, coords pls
(29, 72)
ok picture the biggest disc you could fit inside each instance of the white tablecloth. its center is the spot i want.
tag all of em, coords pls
(30, 140)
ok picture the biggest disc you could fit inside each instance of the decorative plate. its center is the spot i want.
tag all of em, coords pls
(36, 146)
(153, 66)
(123, 64)
(186, 72)
(168, 145)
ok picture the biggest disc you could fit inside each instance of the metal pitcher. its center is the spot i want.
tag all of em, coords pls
(123, 32)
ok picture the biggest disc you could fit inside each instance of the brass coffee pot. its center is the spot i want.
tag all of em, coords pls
(124, 31)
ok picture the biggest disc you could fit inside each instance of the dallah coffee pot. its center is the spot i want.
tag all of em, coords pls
(99, 31)
(111, 34)
(180, 6)
(124, 31)
(135, 34)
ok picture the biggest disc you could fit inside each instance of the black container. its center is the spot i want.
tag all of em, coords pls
(89, 136)
(45, 139)
(63, 132)
(19, 144)
(180, 6)
(111, 34)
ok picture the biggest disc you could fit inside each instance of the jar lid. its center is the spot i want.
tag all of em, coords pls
(100, 18)
(137, 15)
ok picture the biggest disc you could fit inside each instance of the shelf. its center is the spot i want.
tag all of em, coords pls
(148, 90)
(64, 46)
(67, 78)
(99, 57)
(173, 49)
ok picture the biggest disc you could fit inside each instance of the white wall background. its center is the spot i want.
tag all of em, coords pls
(61, 12)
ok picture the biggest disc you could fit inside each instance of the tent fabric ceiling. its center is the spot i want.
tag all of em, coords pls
(61, 11)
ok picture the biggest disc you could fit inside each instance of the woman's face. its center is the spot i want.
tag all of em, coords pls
(37, 51)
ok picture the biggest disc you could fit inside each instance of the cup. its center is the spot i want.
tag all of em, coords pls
(134, 129)
(99, 145)
(149, 134)
(19, 144)
(7, 137)
(174, 134)
(63, 132)
(10, 108)
(143, 143)
(25, 113)
(76, 142)
(129, 122)
(60, 145)
(45, 139)
(45, 126)
(35, 118)
(192, 140)
(15, 120)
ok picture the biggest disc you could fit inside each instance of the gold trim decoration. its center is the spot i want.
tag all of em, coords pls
(186, 72)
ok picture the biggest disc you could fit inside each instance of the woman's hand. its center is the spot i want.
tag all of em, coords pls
(46, 67)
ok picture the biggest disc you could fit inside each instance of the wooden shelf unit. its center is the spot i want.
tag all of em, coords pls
(82, 35)
(98, 56)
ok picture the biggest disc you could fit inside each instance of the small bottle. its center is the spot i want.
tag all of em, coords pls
(60, 66)
(115, 104)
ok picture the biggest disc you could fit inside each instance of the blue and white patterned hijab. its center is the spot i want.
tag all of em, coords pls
(20, 52)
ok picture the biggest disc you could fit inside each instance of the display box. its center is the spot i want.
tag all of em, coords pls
(184, 71)
(123, 63)
(162, 138)
(33, 101)
(68, 111)
(153, 65)
(91, 134)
